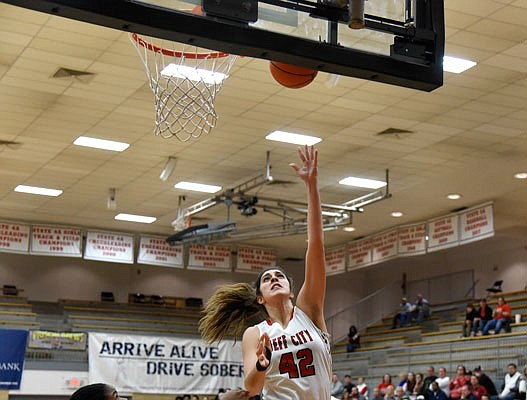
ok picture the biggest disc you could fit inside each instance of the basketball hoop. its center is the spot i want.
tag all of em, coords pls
(185, 81)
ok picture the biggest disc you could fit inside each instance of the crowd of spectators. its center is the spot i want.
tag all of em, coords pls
(408, 313)
(463, 385)
(484, 320)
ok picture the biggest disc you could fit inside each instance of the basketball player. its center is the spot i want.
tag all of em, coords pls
(96, 391)
(286, 356)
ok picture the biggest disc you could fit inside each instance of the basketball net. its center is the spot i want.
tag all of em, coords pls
(185, 80)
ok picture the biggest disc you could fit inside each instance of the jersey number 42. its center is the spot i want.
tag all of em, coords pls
(301, 367)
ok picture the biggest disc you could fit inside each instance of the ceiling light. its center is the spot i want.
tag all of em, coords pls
(294, 138)
(193, 74)
(396, 214)
(456, 65)
(135, 218)
(362, 183)
(197, 187)
(168, 168)
(521, 175)
(349, 229)
(38, 190)
(454, 196)
(100, 143)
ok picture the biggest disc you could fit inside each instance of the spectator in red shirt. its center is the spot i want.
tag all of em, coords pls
(475, 388)
(385, 384)
(458, 382)
(502, 316)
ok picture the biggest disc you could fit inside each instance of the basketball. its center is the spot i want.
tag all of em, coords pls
(292, 76)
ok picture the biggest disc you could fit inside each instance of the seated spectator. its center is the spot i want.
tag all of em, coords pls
(403, 314)
(430, 377)
(390, 393)
(485, 381)
(385, 384)
(511, 387)
(348, 385)
(362, 387)
(355, 395)
(475, 388)
(443, 381)
(484, 315)
(403, 380)
(502, 317)
(421, 310)
(419, 387)
(465, 393)
(377, 394)
(522, 386)
(353, 339)
(399, 393)
(337, 388)
(458, 382)
(410, 383)
(469, 328)
(436, 393)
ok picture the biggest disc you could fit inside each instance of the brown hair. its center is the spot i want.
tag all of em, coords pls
(232, 308)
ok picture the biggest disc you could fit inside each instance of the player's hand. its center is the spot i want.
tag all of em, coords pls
(309, 170)
(235, 394)
(263, 350)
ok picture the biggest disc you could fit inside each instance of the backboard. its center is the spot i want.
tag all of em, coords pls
(402, 42)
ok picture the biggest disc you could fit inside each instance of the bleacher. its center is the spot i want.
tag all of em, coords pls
(17, 313)
(438, 342)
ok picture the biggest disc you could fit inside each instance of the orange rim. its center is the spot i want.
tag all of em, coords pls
(178, 54)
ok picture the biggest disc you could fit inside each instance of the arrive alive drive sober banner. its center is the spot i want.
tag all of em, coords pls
(164, 365)
(12, 353)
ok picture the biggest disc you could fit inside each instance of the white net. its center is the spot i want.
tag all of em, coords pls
(185, 80)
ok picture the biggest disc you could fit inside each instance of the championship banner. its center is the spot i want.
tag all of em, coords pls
(384, 246)
(110, 247)
(14, 238)
(443, 233)
(154, 250)
(251, 259)
(56, 241)
(164, 365)
(12, 353)
(57, 340)
(336, 261)
(359, 253)
(476, 223)
(411, 240)
(209, 257)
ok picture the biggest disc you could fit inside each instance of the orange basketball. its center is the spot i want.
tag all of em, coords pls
(292, 76)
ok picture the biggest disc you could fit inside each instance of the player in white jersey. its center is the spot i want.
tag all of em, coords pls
(286, 357)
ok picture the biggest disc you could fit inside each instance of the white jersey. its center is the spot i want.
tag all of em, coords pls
(300, 367)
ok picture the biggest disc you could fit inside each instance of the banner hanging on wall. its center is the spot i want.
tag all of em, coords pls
(411, 239)
(359, 253)
(164, 365)
(252, 259)
(154, 250)
(14, 238)
(56, 241)
(336, 260)
(209, 257)
(110, 247)
(476, 223)
(12, 353)
(443, 233)
(57, 340)
(384, 246)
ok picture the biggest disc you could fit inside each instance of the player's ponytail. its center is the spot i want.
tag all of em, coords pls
(229, 311)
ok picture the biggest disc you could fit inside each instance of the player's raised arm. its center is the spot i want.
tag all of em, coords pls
(311, 296)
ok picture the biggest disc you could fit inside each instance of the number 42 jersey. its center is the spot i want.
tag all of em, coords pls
(300, 367)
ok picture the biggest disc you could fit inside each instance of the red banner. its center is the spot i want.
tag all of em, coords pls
(336, 261)
(359, 253)
(14, 238)
(208, 257)
(251, 259)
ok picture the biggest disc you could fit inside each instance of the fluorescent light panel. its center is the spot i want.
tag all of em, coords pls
(135, 218)
(38, 190)
(100, 143)
(197, 187)
(457, 65)
(193, 74)
(362, 182)
(294, 138)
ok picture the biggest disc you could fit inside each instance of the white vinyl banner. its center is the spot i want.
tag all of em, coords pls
(209, 257)
(251, 259)
(443, 233)
(411, 239)
(384, 246)
(56, 241)
(336, 260)
(359, 253)
(154, 250)
(476, 223)
(14, 238)
(111, 247)
(148, 364)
